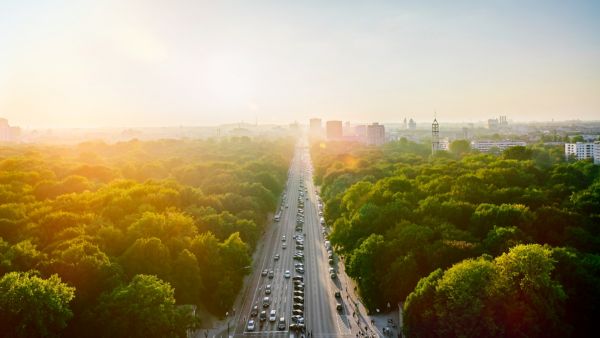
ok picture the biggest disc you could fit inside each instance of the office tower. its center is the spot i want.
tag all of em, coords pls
(334, 130)
(315, 128)
(375, 134)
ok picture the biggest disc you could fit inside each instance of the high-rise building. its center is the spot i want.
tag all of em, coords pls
(334, 130)
(435, 136)
(375, 134)
(8, 133)
(315, 128)
(412, 124)
(492, 123)
(581, 150)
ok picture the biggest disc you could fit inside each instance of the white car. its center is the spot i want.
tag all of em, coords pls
(273, 316)
(287, 274)
(251, 325)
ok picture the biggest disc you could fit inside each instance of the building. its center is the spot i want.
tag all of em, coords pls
(334, 130)
(435, 136)
(375, 134)
(8, 133)
(485, 146)
(597, 152)
(412, 124)
(581, 150)
(445, 144)
(315, 128)
(492, 123)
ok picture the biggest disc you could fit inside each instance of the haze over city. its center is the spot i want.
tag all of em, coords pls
(166, 63)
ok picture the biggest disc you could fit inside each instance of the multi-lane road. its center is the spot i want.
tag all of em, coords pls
(321, 316)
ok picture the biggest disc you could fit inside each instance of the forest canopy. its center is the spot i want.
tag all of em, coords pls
(98, 226)
(473, 244)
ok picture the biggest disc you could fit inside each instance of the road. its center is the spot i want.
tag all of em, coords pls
(322, 318)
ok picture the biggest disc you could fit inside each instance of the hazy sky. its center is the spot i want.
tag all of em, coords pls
(170, 62)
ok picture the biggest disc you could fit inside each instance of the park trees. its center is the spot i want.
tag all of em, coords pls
(33, 306)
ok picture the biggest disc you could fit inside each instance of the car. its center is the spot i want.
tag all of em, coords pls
(281, 324)
(299, 287)
(298, 306)
(276, 257)
(266, 302)
(331, 270)
(298, 258)
(338, 294)
(254, 311)
(283, 246)
(299, 293)
(332, 275)
(298, 278)
(331, 261)
(268, 289)
(271, 274)
(287, 274)
(251, 325)
(283, 238)
(297, 319)
(298, 299)
(263, 316)
(273, 316)
(299, 247)
(298, 312)
(338, 306)
(264, 272)
(299, 270)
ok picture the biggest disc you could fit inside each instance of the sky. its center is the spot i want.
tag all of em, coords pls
(147, 63)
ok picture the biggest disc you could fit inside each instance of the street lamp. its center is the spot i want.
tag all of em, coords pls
(227, 318)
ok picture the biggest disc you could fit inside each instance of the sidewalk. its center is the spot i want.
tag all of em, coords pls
(386, 324)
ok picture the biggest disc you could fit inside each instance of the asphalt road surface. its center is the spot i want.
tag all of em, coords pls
(322, 319)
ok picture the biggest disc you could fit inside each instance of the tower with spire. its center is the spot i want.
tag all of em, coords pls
(435, 136)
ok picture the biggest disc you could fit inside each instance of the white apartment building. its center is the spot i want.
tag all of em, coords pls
(581, 150)
(597, 152)
(485, 146)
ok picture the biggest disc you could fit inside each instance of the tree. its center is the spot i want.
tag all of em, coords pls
(186, 278)
(32, 306)
(143, 308)
(147, 256)
(517, 153)
(459, 147)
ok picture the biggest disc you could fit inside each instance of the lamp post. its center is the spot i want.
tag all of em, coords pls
(227, 318)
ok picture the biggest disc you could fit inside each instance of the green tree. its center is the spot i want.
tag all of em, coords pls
(459, 147)
(143, 308)
(34, 307)
(147, 256)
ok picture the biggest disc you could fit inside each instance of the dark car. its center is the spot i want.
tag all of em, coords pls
(298, 299)
(338, 294)
(298, 306)
(254, 311)
(338, 306)
(263, 316)
(298, 312)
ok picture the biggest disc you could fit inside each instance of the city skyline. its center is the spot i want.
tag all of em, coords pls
(129, 63)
